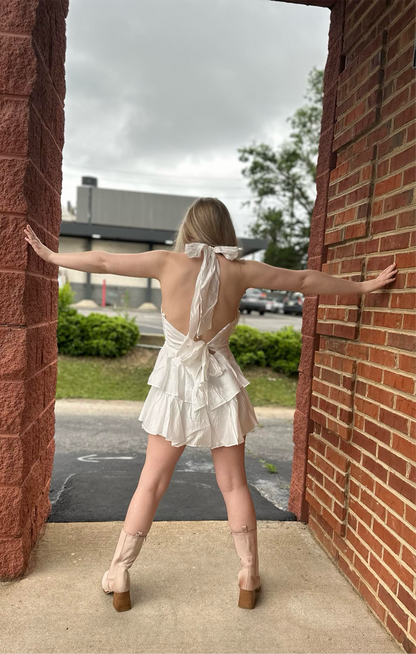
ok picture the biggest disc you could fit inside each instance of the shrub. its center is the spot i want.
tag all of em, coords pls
(65, 297)
(283, 350)
(70, 332)
(247, 345)
(95, 334)
(280, 350)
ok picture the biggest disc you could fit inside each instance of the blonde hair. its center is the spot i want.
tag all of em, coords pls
(206, 221)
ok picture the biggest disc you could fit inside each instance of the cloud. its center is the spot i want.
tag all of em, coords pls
(174, 87)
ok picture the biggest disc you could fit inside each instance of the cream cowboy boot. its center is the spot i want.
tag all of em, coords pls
(248, 577)
(117, 579)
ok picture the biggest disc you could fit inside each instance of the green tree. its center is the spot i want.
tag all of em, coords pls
(283, 182)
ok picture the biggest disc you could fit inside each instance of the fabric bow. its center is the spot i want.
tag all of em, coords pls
(229, 251)
(201, 363)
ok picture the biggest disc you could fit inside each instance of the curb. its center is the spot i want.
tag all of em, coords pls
(131, 407)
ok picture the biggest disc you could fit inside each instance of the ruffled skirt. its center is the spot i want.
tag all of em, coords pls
(225, 419)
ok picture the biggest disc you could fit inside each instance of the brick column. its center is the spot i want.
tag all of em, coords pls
(303, 424)
(360, 468)
(32, 92)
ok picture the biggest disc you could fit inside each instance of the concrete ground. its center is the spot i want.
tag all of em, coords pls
(184, 583)
(184, 595)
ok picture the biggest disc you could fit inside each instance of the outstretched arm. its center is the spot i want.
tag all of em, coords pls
(311, 282)
(143, 264)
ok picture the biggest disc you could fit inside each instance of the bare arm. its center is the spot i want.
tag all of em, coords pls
(310, 282)
(143, 264)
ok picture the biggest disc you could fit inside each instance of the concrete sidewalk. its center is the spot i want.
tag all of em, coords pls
(184, 595)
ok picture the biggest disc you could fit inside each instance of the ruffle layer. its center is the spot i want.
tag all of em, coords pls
(223, 381)
(172, 417)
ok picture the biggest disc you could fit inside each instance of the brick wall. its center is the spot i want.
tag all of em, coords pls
(32, 91)
(361, 419)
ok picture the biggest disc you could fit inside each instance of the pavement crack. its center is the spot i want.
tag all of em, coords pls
(62, 489)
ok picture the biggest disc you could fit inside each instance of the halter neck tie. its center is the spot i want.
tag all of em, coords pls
(207, 284)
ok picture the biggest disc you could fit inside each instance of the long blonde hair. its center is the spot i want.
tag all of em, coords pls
(206, 221)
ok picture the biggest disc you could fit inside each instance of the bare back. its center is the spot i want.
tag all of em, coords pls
(178, 286)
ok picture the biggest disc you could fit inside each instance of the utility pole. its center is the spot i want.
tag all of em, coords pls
(90, 182)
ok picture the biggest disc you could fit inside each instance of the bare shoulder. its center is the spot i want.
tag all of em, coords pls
(171, 261)
(172, 258)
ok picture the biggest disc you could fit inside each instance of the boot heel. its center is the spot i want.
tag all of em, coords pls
(121, 601)
(247, 599)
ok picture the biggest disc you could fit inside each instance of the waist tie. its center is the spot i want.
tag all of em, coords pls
(201, 363)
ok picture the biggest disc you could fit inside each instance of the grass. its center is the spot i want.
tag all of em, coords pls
(125, 378)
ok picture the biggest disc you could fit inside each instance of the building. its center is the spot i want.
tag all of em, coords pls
(123, 222)
(354, 472)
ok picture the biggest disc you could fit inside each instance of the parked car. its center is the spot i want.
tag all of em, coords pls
(254, 299)
(274, 302)
(293, 302)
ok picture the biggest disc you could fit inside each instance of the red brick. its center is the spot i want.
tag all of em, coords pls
(373, 336)
(358, 230)
(402, 199)
(387, 537)
(364, 442)
(332, 520)
(337, 459)
(372, 601)
(383, 357)
(390, 600)
(390, 320)
(394, 420)
(403, 446)
(406, 405)
(402, 159)
(409, 558)
(311, 499)
(313, 472)
(333, 237)
(361, 193)
(406, 116)
(388, 185)
(402, 486)
(378, 432)
(402, 341)
(365, 573)
(398, 381)
(348, 182)
(406, 598)
(398, 101)
(390, 499)
(374, 467)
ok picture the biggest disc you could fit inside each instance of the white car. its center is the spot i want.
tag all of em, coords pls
(274, 302)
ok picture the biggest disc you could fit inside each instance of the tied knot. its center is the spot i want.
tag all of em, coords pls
(201, 363)
(229, 251)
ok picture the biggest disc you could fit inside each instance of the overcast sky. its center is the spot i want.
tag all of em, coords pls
(161, 93)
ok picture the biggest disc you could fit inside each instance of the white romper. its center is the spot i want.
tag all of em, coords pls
(197, 395)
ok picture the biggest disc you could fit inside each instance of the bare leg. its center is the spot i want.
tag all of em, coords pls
(232, 481)
(161, 459)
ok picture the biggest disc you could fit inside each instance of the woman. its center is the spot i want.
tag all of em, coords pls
(198, 395)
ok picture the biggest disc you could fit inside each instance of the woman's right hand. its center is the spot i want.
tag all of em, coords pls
(40, 249)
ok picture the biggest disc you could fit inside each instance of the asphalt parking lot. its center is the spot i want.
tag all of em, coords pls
(101, 448)
(150, 322)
